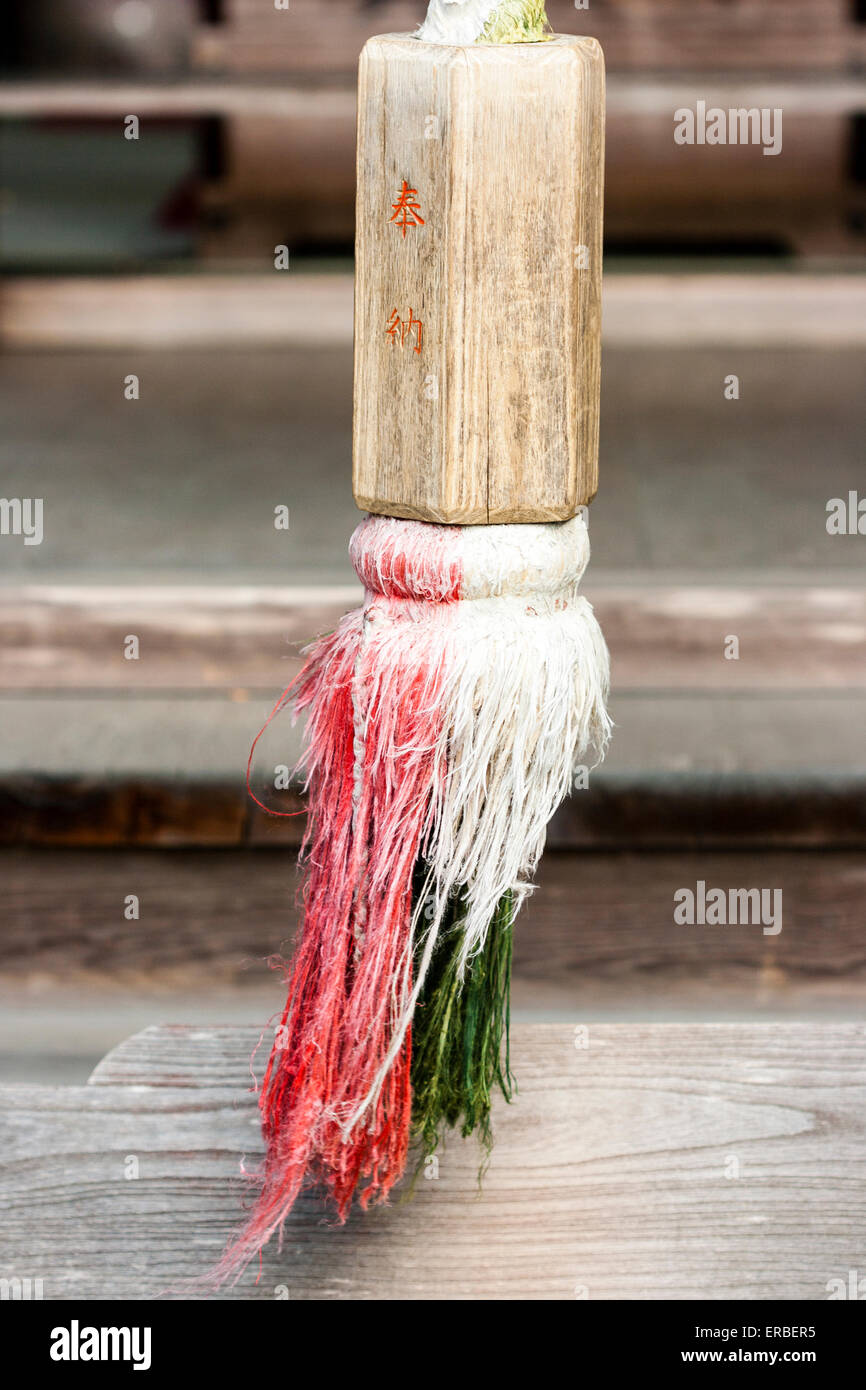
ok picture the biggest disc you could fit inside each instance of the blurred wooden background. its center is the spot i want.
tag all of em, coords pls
(261, 102)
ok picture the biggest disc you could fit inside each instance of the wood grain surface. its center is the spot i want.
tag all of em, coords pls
(597, 935)
(478, 319)
(241, 637)
(648, 1162)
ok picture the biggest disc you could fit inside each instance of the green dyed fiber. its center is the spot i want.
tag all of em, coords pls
(460, 1034)
(516, 21)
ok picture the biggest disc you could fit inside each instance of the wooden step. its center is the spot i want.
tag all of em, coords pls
(98, 750)
(677, 310)
(597, 939)
(658, 1161)
(171, 773)
(220, 638)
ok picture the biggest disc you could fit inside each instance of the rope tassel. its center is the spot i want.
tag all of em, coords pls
(444, 722)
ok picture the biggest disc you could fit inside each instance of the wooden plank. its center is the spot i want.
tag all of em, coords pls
(483, 293)
(218, 310)
(737, 310)
(650, 94)
(686, 806)
(207, 310)
(196, 637)
(656, 1161)
(87, 98)
(242, 638)
(121, 810)
(676, 638)
(598, 934)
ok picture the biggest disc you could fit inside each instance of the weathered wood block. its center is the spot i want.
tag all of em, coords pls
(478, 279)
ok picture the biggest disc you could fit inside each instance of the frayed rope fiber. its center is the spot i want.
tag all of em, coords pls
(485, 21)
(444, 722)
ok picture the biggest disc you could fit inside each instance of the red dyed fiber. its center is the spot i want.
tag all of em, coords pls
(351, 973)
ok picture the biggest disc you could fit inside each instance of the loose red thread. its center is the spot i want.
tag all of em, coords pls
(281, 704)
(353, 960)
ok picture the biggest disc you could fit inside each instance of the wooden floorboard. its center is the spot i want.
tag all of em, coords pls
(227, 310)
(226, 638)
(653, 1162)
(597, 935)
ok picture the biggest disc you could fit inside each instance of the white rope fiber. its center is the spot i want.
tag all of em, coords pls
(525, 675)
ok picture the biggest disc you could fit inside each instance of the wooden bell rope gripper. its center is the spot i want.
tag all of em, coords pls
(446, 717)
